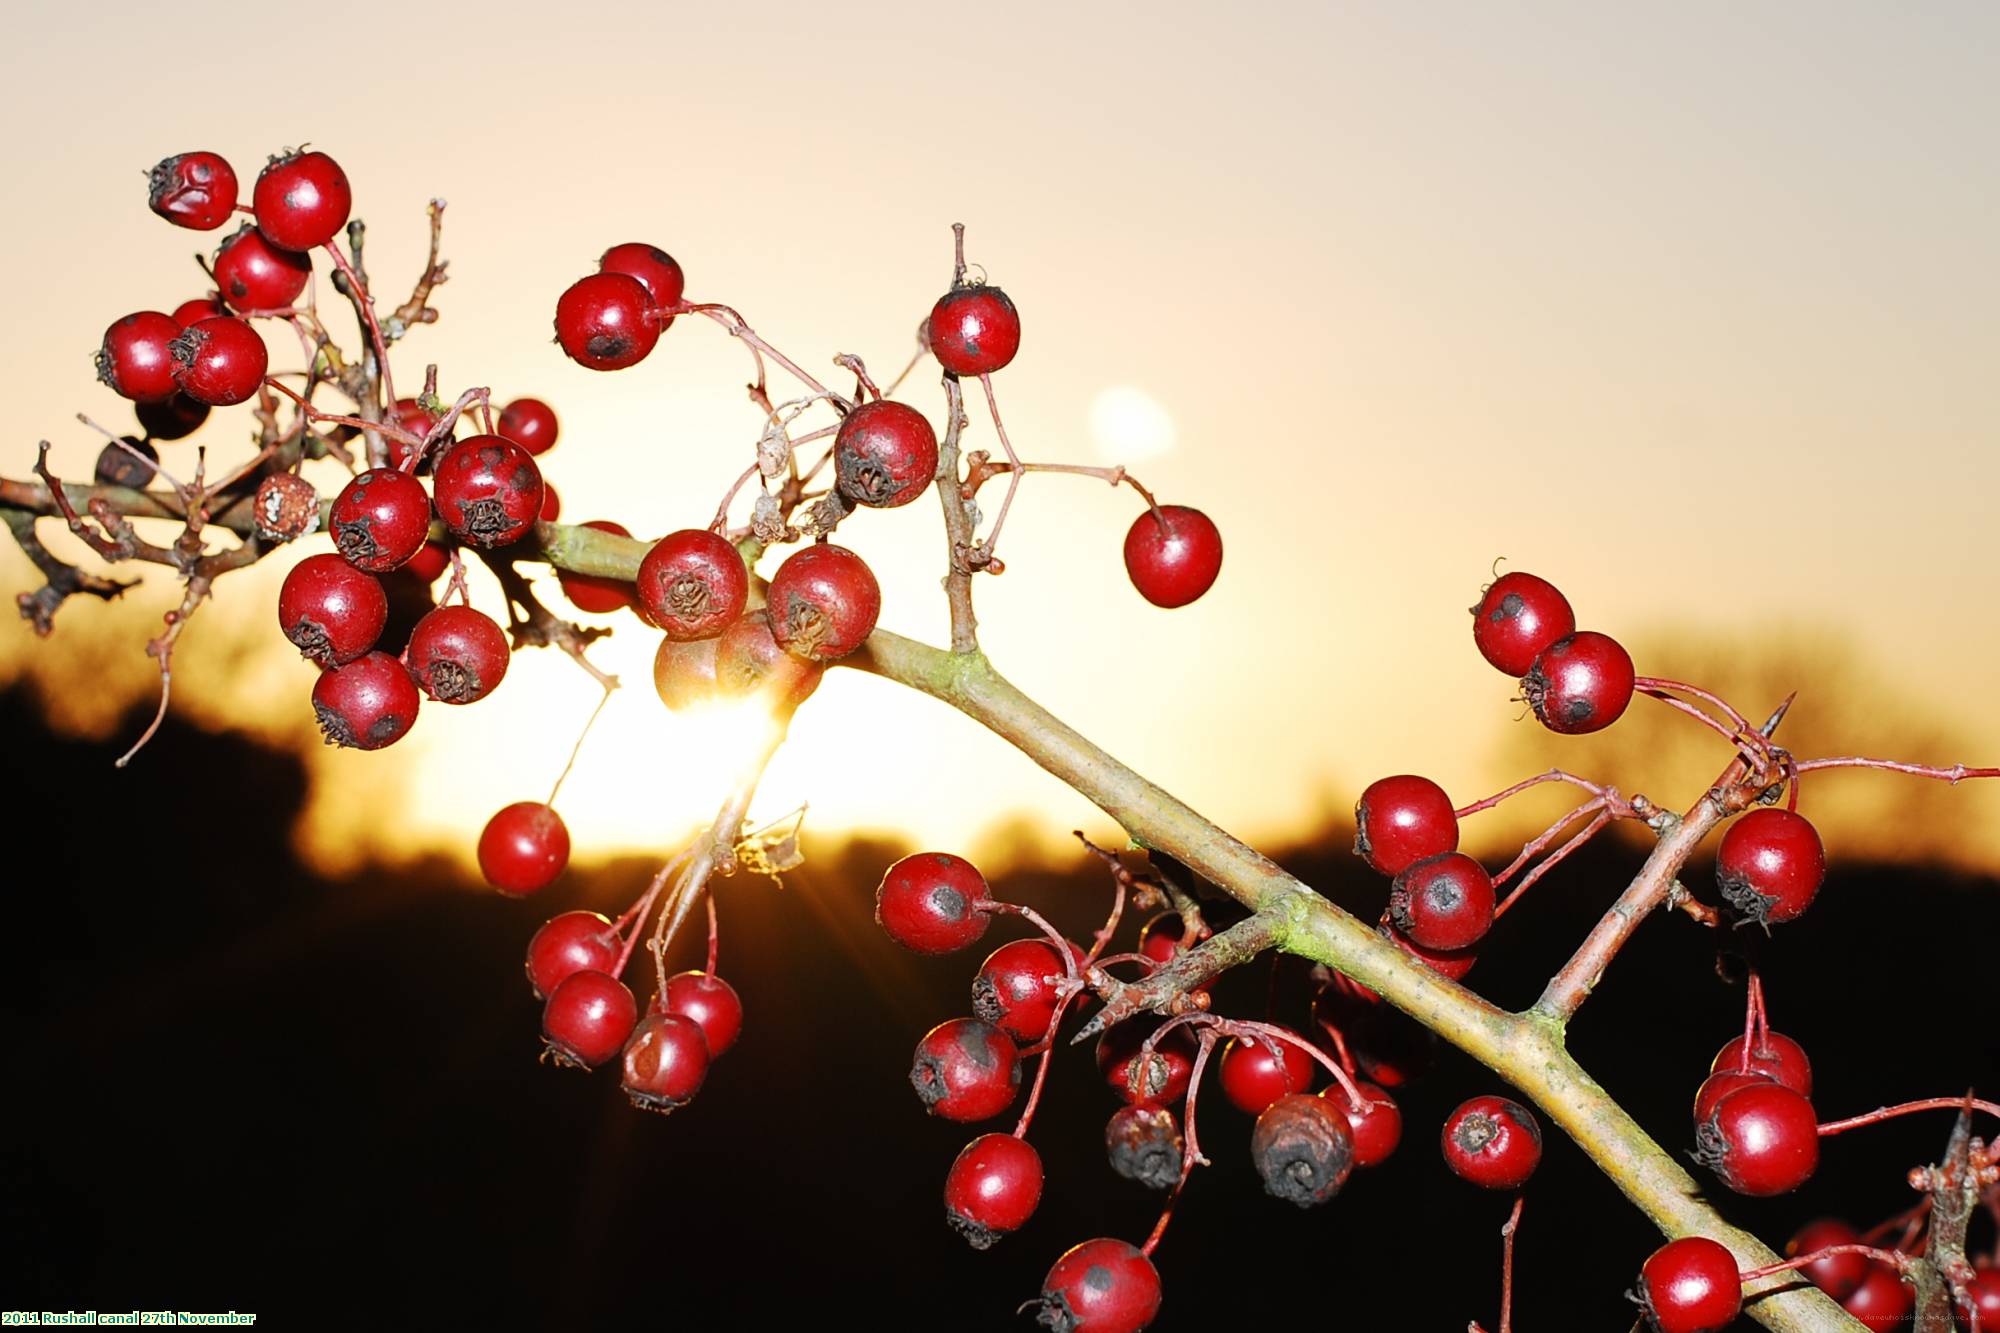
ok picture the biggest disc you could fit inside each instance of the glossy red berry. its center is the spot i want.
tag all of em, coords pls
(992, 1188)
(174, 418)
(1172, 554)
(1144, 1145)
(523, 848)
(199, 308)
(1254, 1076)
(1760, 1140)
(253, 274)
(380, 519)
(1401, 820)
(1492, 1142)
(568, 943)
(1580, 683)
(1443, 902)
(219, 361)
(430, 561)
(1776, 1057)
(974, 330)
(823, 602)
(1015, 989)
(331, 611)
(587, 1019)
(1519, 616)
(1719, 1085)
(1882, 1302)
(1838, 1275)
(1690, 1285)
(1100, 1286)
(1303, 1149)
(1983, 1292)
(1375, 1122)
(301, 200)
(366, 704)
(116, 465)
(1164, 1075)
(655, 269)
(489, 491)
(693, 584)
(885, 454)
(530, 423)
(1451, 964)
(1770, 865)
(966, 1070)
(1164, 938)
(192, 190)
(457, 655)
(596, 593)
(134, 360)
(605, 321)
(711, 1003)
(551, 503)
(666, 1059)
(748, 659)
(933, 902)
(415, 418)
(684, 672)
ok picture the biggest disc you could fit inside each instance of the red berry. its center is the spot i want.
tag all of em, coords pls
(1984, 1291)
(1881, 1302)
(1303, 1149)
(523, 848)
(174, 419)
(413, 417)
(992, 1188)
(1375, 1123)
(489, 491)
(1015, 989)
(1443, 902)
(1519, 616)
(587, 1019)
(192, 190)
(380, 519)
(666, 1059)
(366, 704)
(823, 602)
(1719, 1085)
(1777, 1057)
(568, 943)
(931, 902)
(1144, 1145)
(457, 655)
(1838, 1275)
(1166, 1073)
(1690, 1285)
(1770, 865)
(1580, 683)
(966, 1070)
(1492, 1142)
(605, 321)
(199, 308)
(1164, 938)
(530, 423)
(693, 583)
(1760, 1140)
(1387, 1046)
(430, 561)
(331, 611)
(711, 1003)
(1451, 964)
(219, 361)
(684, 672)
(1254, 1076)
(748, 659)
(596, 593)
(302, 200)
(253, 274)
(1101, 1286)
(1172, 554)
(551, 504)
(655, 269)
(116, 466)
(1401, 820)
(974, 330)
(885, 454)
(135, 361)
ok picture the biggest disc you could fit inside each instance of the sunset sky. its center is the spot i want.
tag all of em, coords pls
(1692, 309)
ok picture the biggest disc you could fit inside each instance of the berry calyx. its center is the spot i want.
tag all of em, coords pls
(966, 1070)
(594, 593)
(708, 1001)
(1770, 865)
(1015, 989)
(1173, 554)
(692, 584)
(457, 655)
(1443, 902)
(1580, 683)
(587, 1019)
(380, 519)
(1401, 820)
(489, 491)
(1882, 1302)
(253, 274)
(1165, 1075)
(193, 190)
(1100, 1286)
(1375, 1122)
(823, 602)
(1690, 1285)
(1838, 1275)
(656, 270)
(523, 848)
(885, 454)
(135, 359)
(1775, 1056)
(531, 423)
(301, 200)
(666, 1059)
(1492, 1142)
(568, 943)
(974, 330)
(992, 1188)
(1518, 616)
(605, 321)
(1254, 1075)
(219, 361)
(1760, 1140)
(684, 672)
(174, 418)
(931, 902)
(331, 611)
(1303, 1149)
(748, 659)
(1143, 1143)
(366, 704)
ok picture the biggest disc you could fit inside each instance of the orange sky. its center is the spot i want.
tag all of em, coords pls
(1690, 311)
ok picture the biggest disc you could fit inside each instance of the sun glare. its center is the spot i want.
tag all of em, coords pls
(1129, 425)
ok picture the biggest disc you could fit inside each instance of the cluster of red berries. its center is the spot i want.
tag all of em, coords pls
(1753, 1123)
(1576, 682)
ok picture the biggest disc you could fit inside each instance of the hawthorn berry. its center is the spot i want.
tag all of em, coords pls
(1760, 1140)
(1375, 1123)
(1770, 865)
(175, 418)
(285, 507)
(457, 655)
(1100, 1286)
(219, 361)
(1443, 902)
(1143, 1143)
(1166, 1072)
(684, 672)
(1838, 1275)
(134, 359)
(331, 611)
(1165, 938)
(117, 466)
(193, 190)
(966, 1070)
(380, 519)
(747, 659)
(414, 417)
(1580, 683)
(530, 423)
(1172, 554)
(1719, 1085)
(605, 321)
(1015, 989)
(1777, 1057)
(885, 454)
(366, 704)
(992, 1188)
(1401, 820)
(596, 593)
(568, 943)
(1388, 1047)
(551, 503)
(933, 902)
(693, 583)
(823, 602)
(1983, 1292)
(587, 1019)
(708, 1001)
(1519, 616)
(523, 848)
(1882, 1302)
(253, 274)
(199, 308)
(1254, 1076)
(301, 200)
(666, 1059)
(1690, 1285)
(974, 330)
(489, 491)
(1303, 1149)
(655, 269)
(429, 562)
(1492, 1142)
(1451, 964)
